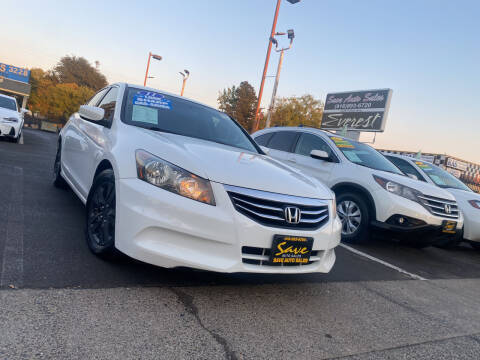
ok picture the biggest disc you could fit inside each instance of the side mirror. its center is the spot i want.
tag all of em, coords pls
(92, 113)
(412, 176)
(320, 155)
(265, 150)
(23, 111)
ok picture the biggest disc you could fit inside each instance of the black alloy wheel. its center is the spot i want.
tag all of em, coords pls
(100, 232)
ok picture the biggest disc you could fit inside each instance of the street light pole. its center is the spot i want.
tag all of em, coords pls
(267, 59)
(291, 36)
(156, 57)
(185, 77)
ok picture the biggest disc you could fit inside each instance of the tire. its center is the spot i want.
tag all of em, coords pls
(475, 245)
(58, 180)
(100, 219)
(353, 212)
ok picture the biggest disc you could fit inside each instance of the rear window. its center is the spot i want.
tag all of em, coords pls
(263, 139)
(283, 141)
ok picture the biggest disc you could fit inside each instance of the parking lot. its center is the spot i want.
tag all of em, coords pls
(381, 300)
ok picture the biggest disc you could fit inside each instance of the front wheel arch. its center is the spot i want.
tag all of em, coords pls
(344, 187)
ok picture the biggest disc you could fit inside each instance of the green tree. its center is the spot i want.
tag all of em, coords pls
(77, 70)
(293, 111)
(240, 103)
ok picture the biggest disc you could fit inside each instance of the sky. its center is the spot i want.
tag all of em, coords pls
(427, 51)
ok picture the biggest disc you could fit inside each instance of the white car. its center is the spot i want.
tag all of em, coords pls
(468, 201)
(370, 190)
(172, 182)
(11, 118)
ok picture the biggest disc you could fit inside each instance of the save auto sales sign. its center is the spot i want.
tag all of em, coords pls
(357, 110)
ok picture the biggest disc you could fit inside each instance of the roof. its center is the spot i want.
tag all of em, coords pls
(6, 96)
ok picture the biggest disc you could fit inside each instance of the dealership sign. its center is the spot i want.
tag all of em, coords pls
(14, 73)
(357, 110)
(456, 164)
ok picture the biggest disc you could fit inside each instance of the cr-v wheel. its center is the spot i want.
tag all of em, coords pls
(100, 232)
(353, 212)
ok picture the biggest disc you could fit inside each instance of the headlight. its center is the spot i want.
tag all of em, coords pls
(12, 119)
(398, 189)
(475, 203)
(172, 178)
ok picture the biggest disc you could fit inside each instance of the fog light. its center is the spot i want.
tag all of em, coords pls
(401, 220)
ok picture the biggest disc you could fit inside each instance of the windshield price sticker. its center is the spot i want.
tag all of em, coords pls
(422, 165)
(291, 250)
(342, 143)
(152, 99)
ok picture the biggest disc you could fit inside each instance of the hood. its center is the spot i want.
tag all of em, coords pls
(464, 195)
(232, 166)
(5, 113)
(424, 187)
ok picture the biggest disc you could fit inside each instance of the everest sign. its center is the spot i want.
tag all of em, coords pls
(357, 110)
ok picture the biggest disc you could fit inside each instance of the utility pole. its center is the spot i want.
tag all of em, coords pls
(267, 59)
(291, 36)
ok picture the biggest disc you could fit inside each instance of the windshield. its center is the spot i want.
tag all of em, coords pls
(8, 103)
(364, 155)
(441, 177)
(170, 114)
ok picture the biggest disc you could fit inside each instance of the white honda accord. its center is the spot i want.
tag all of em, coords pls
(173, 183)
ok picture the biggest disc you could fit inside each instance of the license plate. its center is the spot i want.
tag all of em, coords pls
(449, 226)
(291, 249)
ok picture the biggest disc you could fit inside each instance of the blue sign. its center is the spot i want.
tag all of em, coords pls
(152, 99)
(14, 73)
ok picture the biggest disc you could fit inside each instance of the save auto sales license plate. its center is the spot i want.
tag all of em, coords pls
(449, 226)
(291, 249)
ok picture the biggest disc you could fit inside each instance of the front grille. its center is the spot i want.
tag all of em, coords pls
(268, 208)
(439, 206)
(260, 256)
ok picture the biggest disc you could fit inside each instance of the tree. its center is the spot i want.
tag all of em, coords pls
(64, 100)
(293, 111)
(77, 70)
(240, 103)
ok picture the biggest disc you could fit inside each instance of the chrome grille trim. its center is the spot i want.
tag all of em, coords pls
(437, 206)
(268, 208)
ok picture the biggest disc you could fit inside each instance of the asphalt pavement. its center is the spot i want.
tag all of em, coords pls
(58, 300)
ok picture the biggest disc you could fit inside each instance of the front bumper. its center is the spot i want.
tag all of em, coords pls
(421, 233)
(9, 129)
(165, 229)
(472, 228)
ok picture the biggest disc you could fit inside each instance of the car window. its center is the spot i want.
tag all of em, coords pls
(309, 142)
(405, 166)
(108, 104)
(440, 177)
(283, 140)
(171, 114)
(263, 139)
(96, 98)
(363, 155)
(8, 103)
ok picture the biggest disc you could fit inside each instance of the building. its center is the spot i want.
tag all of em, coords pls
(466, 171)
(14, 81)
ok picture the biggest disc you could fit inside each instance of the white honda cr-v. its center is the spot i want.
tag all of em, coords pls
(174, 183)
(468, 201)
(370, 190)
